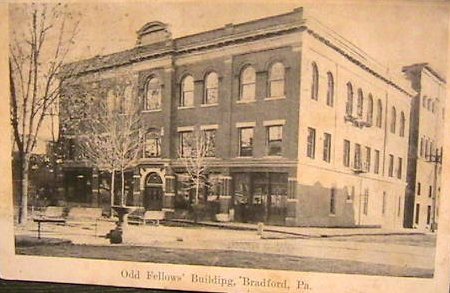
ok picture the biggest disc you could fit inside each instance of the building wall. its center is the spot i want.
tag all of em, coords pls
(316, 177)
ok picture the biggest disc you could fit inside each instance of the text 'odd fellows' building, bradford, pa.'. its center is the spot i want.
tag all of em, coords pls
(307, 130)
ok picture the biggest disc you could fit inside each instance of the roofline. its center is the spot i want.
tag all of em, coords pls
(311, 25)
(426, 66)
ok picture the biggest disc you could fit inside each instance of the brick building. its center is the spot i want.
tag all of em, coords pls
(425, 150)
(307, 129)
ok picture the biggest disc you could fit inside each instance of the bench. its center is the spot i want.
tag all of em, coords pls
(84, 216)
(52, 214)
(143, 217)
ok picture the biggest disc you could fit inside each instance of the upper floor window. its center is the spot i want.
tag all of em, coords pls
(349, 103)
(357, 160)
(246, 141)
(421, 147)
(346, 157)
(153, 94)
(315, 82)
(211, 95)
(400, 168)
(359, 104)
(247, 84)
(376, 164)
(333, 201)
(311, 143)
(432, 106)
(209, 142)
(327, 147)
(330, 91)
(185, 143)
(393, 119)
(275, 140)
(391, 166)
(368, 159)
(379, 114)
(429, 104)
(276, 80)
(152, 145)
(111, 101)
(424, 101)
(187, 92)
(402, 124)
(370, 109)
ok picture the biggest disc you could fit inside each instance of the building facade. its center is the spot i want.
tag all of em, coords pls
(306, 129)
(425, 149)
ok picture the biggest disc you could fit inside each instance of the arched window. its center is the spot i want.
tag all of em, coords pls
(429, 104)
(349, 104)
(211, 95)
(153, 94)
(370, 109)
(427, 149)
(424, 101)
(432, 106)
(402, 124)
(393, 119)
(379, 114)
(187, 91)
(247, 84)
(152, 145)
(276, 80)
(315, 82)
(330, 91)
(359, 104)
(126, 102)
(421, 147)
(111, 100)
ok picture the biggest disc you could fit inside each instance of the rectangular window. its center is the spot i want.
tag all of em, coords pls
(399, 206)
(368, 158)
(275, 140)
(417, 214)
(366, 202)
(210, 142)
(346, 158)
(327, 147)
(391, 166)
(152, 146)
(311, 143)
(333, 201)
(400, 168)
(383, 207)
(185, 140)
(430, 191)
(428, 215)
(246, 142)
(357, 161)
(350, 192)
(418, 188)
(376, 167)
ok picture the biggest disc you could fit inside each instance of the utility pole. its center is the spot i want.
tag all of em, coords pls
(436, 160)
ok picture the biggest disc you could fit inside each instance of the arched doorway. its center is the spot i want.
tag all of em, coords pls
(153, 194)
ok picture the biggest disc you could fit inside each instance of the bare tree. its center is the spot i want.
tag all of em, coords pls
(107, 136)
(196, 150)
(39, 46)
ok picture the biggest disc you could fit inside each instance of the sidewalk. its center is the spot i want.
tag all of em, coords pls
(306, 232)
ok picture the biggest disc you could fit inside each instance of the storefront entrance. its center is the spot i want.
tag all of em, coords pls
(153, 194)
(260, 197)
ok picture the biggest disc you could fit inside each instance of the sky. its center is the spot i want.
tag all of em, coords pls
(395, 33)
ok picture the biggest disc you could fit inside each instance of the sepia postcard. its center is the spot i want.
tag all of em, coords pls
(226, 146)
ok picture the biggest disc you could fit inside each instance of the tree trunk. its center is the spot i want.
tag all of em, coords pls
(122, 190)
(23, 204)
(112, 192)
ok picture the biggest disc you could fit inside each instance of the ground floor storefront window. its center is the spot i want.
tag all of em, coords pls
(260, 197)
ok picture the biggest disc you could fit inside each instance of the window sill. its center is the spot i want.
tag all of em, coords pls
(245, 157)
(349, 201)
(185, 107)
(272, 157)
(151, 111)
(209, 105)
(245, 101)
(275, 98)
(332, 215)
